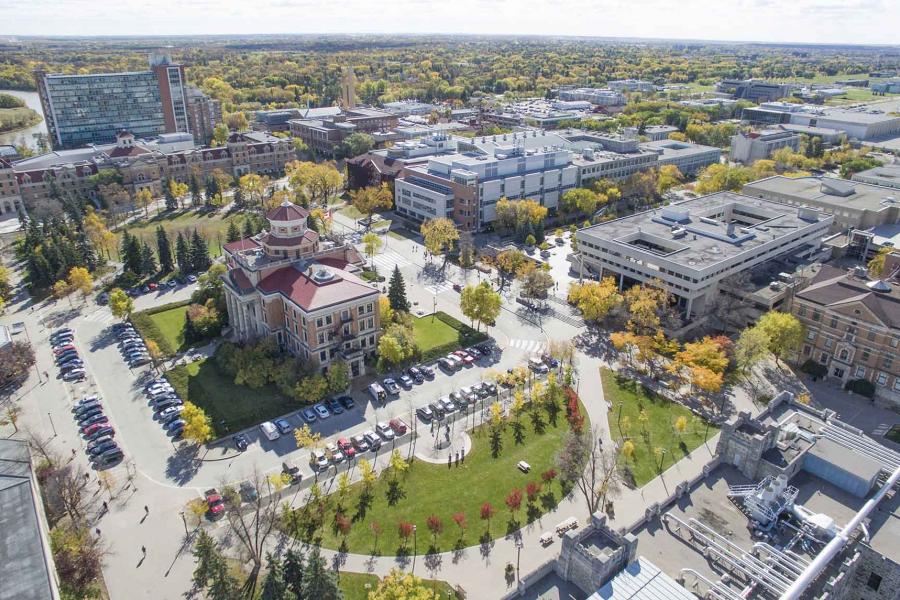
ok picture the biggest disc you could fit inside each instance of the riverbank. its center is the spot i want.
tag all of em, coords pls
(17, 119)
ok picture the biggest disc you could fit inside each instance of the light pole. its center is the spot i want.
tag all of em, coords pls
(51, 424)
(519, 545)
(415, 550)
(184, 520)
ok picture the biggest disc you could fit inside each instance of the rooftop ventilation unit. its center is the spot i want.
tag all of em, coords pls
(880, 286)
(322, 275)
(709, 221)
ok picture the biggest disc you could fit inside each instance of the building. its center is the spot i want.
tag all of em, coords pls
(348, 88)
(324, 134)
(10, 199)
(534, 112)
(687, 156)
(305, 292)
(27, 571)
(853, 328)
(854, 205)
(867, 122)
(829, 136)
(383, 166)
(653, 133)
(631, 85)
(886, 87)
(142, 164)
(749, 147)
(755, 90)
(204, 113)
(90, 109)
(596, 96)
(692, 246)
(884, 176)
(705, 103)
(405, 108)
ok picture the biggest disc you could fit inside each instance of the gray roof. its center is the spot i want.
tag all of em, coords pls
(671, 148)
(864, 196)
(25, 570)
(642, 580)
(852, 462)
(833, 287)
(887, 172)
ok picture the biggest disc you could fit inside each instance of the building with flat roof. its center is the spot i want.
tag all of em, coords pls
(653, 133)
(884, 176)
(304, 292)
(692, 246)
(749, 147)
(383, 166)
(27, 571)
(867, 122)
(687, 156)
(405, 108)
(755, 90)
(631, 85)
(596, 96)
(854, 205)
(323, 134)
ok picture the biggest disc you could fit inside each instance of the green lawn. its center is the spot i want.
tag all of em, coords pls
(164, 325)
(627, 398)
(231, 407)
(353, 585)
(434, 489)
(431, 332)
(211, 225)
(351, 212)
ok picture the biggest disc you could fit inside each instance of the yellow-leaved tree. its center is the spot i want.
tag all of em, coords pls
(197, 425)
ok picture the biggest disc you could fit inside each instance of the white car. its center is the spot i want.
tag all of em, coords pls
(333, 452)
(269, 430)
(385, 431)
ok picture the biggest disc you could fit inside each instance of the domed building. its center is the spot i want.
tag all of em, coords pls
(303, 291)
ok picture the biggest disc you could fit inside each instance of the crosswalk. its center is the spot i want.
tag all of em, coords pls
(439, 288)
(100, 316)
(385, 261)
(529, 346)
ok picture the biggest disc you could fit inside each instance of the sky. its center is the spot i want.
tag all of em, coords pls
(806, 21)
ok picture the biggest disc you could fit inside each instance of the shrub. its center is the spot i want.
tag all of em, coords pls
(863, 387)
(814, 368)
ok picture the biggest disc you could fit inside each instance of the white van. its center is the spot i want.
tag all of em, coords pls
(269, 430)
(377, 392)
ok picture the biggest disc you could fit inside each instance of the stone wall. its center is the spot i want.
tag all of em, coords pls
(591, 571)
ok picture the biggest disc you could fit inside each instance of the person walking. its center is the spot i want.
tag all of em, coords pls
(144, 550)
(146, 510)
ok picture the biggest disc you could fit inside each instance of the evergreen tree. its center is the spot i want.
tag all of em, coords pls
(182, 254)
(199, 253)
(294, 570)
(212, 189)
(249, 230)
(131, 254)
(148, 261)
(274, 587)
(164, 250)
(233, 234)
(239, 200)
(319, 581)
(397, 292)
(171, 200)
(196, 192)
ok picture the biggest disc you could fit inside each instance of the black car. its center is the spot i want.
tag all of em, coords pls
(491, 388)
(110, 457)
(101, 432)
(425, 413)
(427, 372)
(437, 409)
(167, 403)
(80, 408)
(240, 442)
(88, 409)
(416, 374)
(71, 362)
(103, 447)
(346, 402)
(95, 418)
(75, 364)
(65, 356)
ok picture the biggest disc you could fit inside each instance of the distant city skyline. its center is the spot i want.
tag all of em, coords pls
(801, 21)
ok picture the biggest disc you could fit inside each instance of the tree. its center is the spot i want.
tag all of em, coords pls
(274, 586)
(876, 265)
(338, 377)
(197, 425)
(752, 347)
(508, 264)
(579, 200)
(154, 352)
(369, 200)
(62, 289)
(95, 228)
(253, 187)
(355, 144)
(397, 292)
(372, 244)
(120, 304)
(647, 303)
(480, 303)
(784, 331)
(212, 572)
(199, 253)
(148, 260)
(237, 121)
(178, 191)
(595, 472)
(143, 199)
(81, 281)
(486, 513)
(306, 438)
(399, 585)
(435, 526)
(439, 234)
(220, 134)
(669, 176)
(131, 253)
(628, 449)
(164, 250)
(397, 464)
(514, 501)
(536, 283)
(15, 360)
(705, 353)
(595, 299)
(233, 234)
(182, 254)
(367, 473)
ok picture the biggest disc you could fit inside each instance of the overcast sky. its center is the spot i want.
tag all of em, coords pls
(821, 21)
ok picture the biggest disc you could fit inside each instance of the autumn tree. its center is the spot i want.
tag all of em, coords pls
(480, 303)
(595, 299)
(370, 200)
(579, 200)
(120, 304)
(669, 176)
(197, 425)
(372, 244)
(440, 235)
(785, 333)
(876, 265)
(582, 461)
(508, 263)
(400, 585)
(647, 303)
(751, 348)
(80, 280)
(143, 199)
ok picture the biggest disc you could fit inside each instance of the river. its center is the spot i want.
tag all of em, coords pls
(26, 135)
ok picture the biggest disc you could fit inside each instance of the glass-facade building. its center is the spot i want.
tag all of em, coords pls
(90, 109)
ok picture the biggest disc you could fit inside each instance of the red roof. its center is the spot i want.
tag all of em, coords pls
(288, 211)
(286, 242)
(241, 281)
(309, 294)
(120, 151)
(244, 244)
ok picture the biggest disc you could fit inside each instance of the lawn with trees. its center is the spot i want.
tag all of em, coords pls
(164, 325)
(653, 433)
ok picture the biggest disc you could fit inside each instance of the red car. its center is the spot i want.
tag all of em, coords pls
(93, 427)
(61, 349)
(215, 504)
(465, 356)
(398, 426)
(346, 447)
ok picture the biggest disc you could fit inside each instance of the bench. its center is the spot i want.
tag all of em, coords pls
(523, 466)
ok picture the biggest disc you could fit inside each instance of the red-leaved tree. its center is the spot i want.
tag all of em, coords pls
(435, 526)
(514, 500)
(487, 511)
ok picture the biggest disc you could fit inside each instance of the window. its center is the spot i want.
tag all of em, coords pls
(806, 350)
(871, 336)
(823, 358)
(866, 354)
(829, 343)
(328, 319)
(833, 322)
(844, 354)
(323, 356)
(811, 335)
(874, 581)
(860, 372)
(881, 379)
(888, 361)
(816, 315)
(897, 384)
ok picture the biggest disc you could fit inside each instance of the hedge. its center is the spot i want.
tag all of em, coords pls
(148, 329)
(863, 387)
(814, 368)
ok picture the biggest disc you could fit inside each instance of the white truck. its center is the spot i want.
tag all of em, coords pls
(377, 392)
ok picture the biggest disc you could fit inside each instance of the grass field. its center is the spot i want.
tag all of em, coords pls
(353, 585)
(211, 225)
(628, 398)
(231, 407)
(435, 489)
(430, 332)
(351, 212)
(164, 325)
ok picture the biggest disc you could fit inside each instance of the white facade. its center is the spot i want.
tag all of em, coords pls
(748, 148)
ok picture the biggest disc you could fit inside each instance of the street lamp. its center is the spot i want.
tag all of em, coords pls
(184, 520)
(519, 545)
(415, 550)
(51, 424)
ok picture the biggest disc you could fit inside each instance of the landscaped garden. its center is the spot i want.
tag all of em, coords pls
(356, 586)
(231, 407)
(439, 333)
(165, 326)
(430, 507)
(662, 432)
(893, 434)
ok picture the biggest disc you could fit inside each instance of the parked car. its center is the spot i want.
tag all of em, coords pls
(346, 447)
(360, 443)
(333, 453)
(171, 411)
(89, 428)
(549, 361)
(110, 457)
(475, 352)
(491, 388)
(377, 392)
(372, 438)
(292, 470)
(103, 447)
(74, 375)
(192, 278)
(406, 381)
(447, 404)
(391, 386)
(385, 431)
(346, 402)
(334, 406)
(269, 430)
(416, 374)
(88, 413)
(284, 426)
(240, 442)
(65, 357)
(537, 365)
(62, 330)
(437, 410)
(175, 426)
(308, 415)
(71, 363)
(467, 358)
(101, 431)
(398, 426)
(321, 411)
(215, 504)
(427, 371)
(81, 407)
(63, 340)
(65, 348)
(248, 492)
(318, 460)
(545, 254)
(425, 413)
(167, 402)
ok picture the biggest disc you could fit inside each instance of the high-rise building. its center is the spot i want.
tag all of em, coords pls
(91, 109)
(204, 113)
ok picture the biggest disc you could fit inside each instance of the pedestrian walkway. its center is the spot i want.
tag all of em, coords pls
(387, 260)
(100, 316)
(529, 346)
(439, 288)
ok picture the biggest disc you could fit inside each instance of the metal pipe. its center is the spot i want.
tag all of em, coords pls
(837, 542)
(718, 587)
